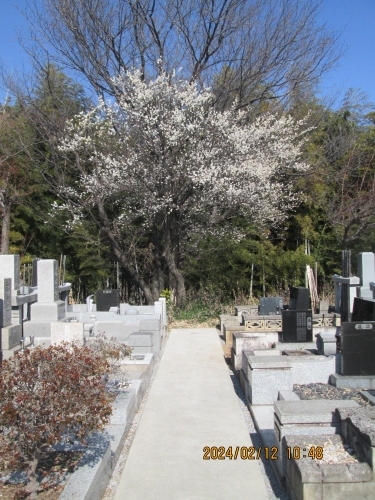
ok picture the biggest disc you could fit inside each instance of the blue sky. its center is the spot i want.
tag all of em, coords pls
(354, 18)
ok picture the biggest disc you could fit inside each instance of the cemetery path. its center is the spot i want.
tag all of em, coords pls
(191, 405)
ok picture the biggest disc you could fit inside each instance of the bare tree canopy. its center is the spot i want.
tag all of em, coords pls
(261, 49)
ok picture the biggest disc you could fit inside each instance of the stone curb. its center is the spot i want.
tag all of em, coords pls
(90, 479)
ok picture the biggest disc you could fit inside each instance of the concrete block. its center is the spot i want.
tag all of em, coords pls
(326, 341)
(90, 479)
(365, 382)
(311, 412)
(267, 375)
(11, 336)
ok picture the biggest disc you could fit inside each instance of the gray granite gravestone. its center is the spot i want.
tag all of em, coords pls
(49, 307)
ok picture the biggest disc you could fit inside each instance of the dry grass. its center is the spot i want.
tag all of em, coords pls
(183, 323)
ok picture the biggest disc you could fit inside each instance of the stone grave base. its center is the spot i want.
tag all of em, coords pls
(314, 418)
(365, 382)
(307, 478)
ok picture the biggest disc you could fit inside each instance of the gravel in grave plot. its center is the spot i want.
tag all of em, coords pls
(326, 391)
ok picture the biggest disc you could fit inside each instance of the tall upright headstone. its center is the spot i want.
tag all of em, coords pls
(366, 272)
(11, 334)
(299, 298)
(5, 302)
(49, 307)
(358, 348)
(345, 288)
(10, 268)
(105, 299)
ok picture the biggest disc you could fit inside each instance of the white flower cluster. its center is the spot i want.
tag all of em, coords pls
(162, 148)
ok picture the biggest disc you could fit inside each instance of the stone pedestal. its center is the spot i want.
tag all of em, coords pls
(326, 341)
(43, 312)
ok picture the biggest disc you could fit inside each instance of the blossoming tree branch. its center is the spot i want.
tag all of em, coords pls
(159, 163)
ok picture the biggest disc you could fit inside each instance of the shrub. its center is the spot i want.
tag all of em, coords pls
(47, 396)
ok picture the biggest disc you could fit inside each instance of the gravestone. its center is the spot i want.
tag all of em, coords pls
(105, 299)
(366, 272)
(296, 326)
(5, 302)
(49, 307)
(299, 298)
(10, 268)
(358, 348)
(270, 305)
(363, 309)
(10, 335)
(345, 293)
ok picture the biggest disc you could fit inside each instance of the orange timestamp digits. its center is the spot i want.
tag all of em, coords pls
(242, 452)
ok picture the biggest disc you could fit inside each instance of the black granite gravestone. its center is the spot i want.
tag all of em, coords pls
(296, 326)
(105, 299)
(299, 298)
(358, 348)
(270, 305)
(363, 309)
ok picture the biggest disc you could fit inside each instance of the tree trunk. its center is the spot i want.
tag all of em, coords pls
(171, 263)
(104, 224)
(157, 282)
(32, 483)
(5, 230)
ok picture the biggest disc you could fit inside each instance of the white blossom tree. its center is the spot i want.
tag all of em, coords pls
(160, 162)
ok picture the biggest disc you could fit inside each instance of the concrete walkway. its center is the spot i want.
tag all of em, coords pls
(192, 404)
